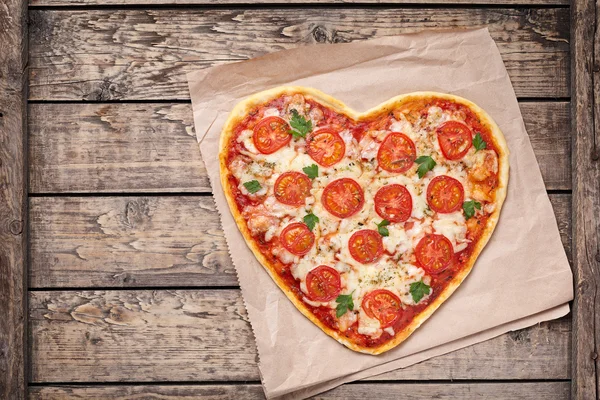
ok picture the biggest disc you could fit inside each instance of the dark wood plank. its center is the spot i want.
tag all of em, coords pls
(13, 194)
(586, 197)
(408, 391)
(152, 147)
(204, 335)
(145, 241)
(75, 3)
(144, 54)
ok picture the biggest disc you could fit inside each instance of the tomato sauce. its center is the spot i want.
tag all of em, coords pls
(412, 110)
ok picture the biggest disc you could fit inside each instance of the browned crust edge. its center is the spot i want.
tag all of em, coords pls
(240, 111)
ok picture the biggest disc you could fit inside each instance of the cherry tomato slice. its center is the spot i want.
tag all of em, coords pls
(323, 283)
(297, 238)
(397, 153)
(434, 253)
(292, 188)
(394, 203)
(271, 134)
(445, 194)
(382, 305)
(343, 197)
(326, 147)
(365, 246)
(455, 139)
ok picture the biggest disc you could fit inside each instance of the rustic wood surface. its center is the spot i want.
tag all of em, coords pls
(204, 335)
(407, 391)
(133, 294)
(13, 193)
(150, 3)
(127, 54)
(152, 147)
(83, 242)
(586, 198)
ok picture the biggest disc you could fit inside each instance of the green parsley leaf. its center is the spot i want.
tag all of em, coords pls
(300, 125)
(426, 163)
(470, 206)
(252, 186)
(311, 220)
(345, 303)
(381, 228)
(418, 290)
(312, 171)
(478, 142)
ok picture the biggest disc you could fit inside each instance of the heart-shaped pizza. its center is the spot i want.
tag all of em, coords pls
(369, 221)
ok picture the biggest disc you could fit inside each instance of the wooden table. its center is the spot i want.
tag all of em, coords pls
(114, 276)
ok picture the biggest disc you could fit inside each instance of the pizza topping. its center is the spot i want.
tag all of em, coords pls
(365, 246)
(300, 125)
(485, 164)
(454, 139)
(426, 164)
(326, 147)
(252, 186)
(312, 171)
(323, 284)
(271, 134)
(382, 305)
(343, 197)
(418, 290)
(292, 188)
(397, 153)
(469, 208)
(344, 303)
(381, 228)
(478, 142)
(445, 194)
(297, 238)
(393, 203)
(434, 253)
(310, 220)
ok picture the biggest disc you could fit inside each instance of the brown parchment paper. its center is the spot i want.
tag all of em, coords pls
(521, 278)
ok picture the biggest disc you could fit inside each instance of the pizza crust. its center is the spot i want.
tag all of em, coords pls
(241, 110)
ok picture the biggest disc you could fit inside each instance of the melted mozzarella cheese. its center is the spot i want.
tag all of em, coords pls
(454, 227)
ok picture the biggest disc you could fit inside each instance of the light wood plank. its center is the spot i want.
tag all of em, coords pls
(13, 194)
(152, 147)
(408, 391)
(204, 335)
(75, 3)
(586, 198)
(145, 241)
(144, 54)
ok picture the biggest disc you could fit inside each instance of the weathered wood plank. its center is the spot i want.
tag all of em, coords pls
(13, 198)
(75, 3)
(585, 20)
(144, 54)
(114, 148)
(145, 241)
(204, 335)
(151, 147)
(408, 391)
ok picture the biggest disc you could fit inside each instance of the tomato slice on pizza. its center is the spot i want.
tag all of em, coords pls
(367, 222)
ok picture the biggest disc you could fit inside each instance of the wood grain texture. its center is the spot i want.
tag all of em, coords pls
(114, 148)
(152, 147)
(75, 3)
(116, 242)
(204, 335)
(407, 391)
(13, 194)
(586, 197)
(144, 54)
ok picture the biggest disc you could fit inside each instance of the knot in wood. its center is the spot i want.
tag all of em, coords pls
(16, 227)
(598, 257)
(594, 356)
(595, 154)
(320, 34)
